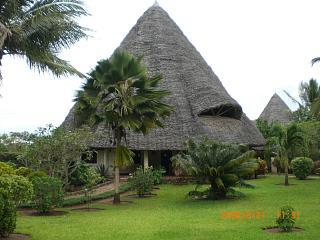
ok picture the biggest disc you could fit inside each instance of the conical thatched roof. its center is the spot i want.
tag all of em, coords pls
(276, 111)
(202, 105)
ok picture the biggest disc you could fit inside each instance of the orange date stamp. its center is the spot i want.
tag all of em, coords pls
(253, 215)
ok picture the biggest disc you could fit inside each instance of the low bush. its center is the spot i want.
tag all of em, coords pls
(286, 218)
(157, 175)
(6, 168)
(142, 181)
(36, 174)
(81, 176)
(263, 167)
(13, 190)
(8, 217)
(103, 171)
(48, 194)
(302, 167)
(23, 171)
(93, 179)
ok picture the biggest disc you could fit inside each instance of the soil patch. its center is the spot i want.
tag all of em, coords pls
(85, 209)
(17, 236)
(31, 212)
(143, 196)
(110, 202)
(279, 230)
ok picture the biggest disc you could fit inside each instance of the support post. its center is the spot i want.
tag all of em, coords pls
(145, 160)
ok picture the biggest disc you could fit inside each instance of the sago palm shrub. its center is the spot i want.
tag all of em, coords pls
(222, 166)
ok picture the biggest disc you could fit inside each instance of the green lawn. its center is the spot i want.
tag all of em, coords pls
(170, 215)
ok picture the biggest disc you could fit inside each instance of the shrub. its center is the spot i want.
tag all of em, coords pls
(286, 219)
(8, 215)
(6, 168)
(23, 171)
(37, 174)
(80, 176)
(263, 167)
(93, 179)
(142, 181)
(302, 167)
(47, 194)
(157, 175)
(103, 171)
(13, 190)
(221, 165)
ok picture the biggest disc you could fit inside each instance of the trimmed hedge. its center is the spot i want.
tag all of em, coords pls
(80, 200)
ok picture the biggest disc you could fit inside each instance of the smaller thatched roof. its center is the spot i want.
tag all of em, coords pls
(276, 111)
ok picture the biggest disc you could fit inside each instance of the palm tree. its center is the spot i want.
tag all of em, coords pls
(38, 30)
(283, 141)
(222, 165)
(121, 95)
(309, 104)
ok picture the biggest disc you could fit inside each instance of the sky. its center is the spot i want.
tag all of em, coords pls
(255, 47)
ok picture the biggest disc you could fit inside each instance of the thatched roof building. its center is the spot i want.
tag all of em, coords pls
(276, 111)
(202, 105)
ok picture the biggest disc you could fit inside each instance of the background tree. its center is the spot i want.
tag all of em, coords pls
(283, 141)
(309, 104)
(59, 152)
(38, 30)
(221, 165)
(121, 95)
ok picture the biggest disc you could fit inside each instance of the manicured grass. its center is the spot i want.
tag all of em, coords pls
(170, 215)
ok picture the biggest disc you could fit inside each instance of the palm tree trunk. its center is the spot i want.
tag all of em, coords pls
(286, 177)
(116, 197)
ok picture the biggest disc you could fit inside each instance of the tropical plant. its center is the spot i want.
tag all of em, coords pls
(121, 94)
(302, 167)
(286, 218)
(103, 171)
(38, 30)
(48, 194)
(283, 142)
(142, 181)
(223, 166)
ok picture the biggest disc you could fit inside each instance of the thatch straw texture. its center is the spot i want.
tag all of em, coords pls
(276, 111)
(196, 92)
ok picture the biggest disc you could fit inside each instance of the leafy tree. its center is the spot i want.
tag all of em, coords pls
(264, 127)
(121, 95)
(221, 165)
(309, 104)
(38, 30)
(283, 141)
(59, 152)
(312, 132)
(13, 144)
